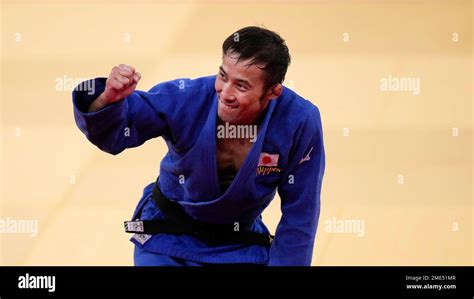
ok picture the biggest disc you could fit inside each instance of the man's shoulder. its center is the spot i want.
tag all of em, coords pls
(295, 109)
(183, 85)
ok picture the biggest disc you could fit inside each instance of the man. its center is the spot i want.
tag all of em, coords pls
(206, 205)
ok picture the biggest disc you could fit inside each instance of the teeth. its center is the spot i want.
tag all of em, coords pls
(227, 106)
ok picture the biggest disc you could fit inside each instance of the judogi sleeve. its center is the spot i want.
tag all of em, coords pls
(300, 192)
(129, 122)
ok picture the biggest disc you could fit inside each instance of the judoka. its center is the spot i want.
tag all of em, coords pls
(205, 206)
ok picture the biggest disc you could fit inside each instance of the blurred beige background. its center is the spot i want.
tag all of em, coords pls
(398, 187)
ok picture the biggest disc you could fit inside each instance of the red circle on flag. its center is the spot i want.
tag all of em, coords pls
(266, 160)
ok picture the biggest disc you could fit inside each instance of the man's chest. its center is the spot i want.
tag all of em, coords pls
(231, 154)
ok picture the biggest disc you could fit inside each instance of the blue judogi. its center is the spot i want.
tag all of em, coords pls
(184, 113)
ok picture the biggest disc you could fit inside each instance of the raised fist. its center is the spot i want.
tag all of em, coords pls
(122, 81)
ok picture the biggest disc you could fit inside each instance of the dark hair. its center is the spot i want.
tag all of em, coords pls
(262, 47)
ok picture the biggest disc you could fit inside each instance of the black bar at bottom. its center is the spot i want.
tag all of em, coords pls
(238, 281)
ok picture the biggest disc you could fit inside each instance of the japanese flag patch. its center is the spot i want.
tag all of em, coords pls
(268, 164)
(268, 160)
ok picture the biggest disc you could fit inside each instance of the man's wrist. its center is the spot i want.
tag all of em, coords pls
(99, 103)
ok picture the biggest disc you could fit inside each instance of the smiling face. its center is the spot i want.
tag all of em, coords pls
(240, 93)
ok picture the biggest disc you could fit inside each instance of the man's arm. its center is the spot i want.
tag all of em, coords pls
(300, 199)
(98, 103)
(114, 116)
(121, 83)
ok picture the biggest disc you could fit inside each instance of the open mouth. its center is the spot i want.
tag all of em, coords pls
(228, 106)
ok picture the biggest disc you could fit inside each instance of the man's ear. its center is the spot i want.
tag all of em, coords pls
(274, 92)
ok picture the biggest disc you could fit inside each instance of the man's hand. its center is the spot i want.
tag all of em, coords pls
(122, 81)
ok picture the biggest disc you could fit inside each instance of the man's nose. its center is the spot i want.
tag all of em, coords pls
(227, 94)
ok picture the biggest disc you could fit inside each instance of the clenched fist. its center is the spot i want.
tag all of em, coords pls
(122, 81)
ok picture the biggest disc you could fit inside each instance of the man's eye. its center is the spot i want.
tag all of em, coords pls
(241, 87)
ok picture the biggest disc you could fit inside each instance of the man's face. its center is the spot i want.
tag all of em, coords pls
(240, 91)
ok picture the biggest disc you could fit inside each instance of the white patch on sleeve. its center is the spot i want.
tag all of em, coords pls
(141, 238)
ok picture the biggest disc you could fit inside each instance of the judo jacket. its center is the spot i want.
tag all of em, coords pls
(184, 113)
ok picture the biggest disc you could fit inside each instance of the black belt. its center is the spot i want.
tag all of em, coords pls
(177, 221)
